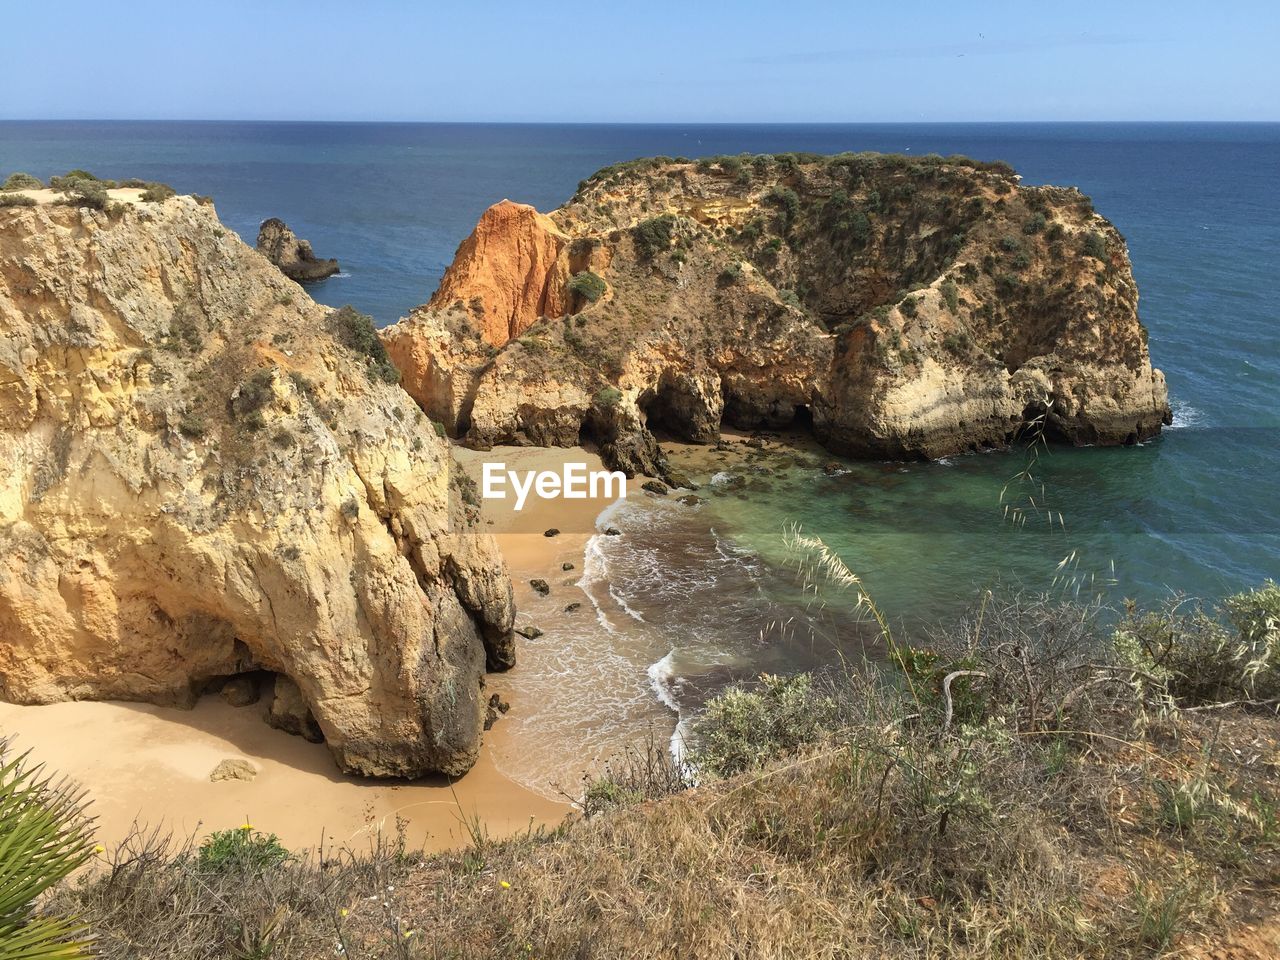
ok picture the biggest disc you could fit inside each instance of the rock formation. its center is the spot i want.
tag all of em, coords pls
(901, 307)
(294, 257)
(204, 474)
(508, 273)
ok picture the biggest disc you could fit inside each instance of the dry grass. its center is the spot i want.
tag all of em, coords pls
(1052, 816)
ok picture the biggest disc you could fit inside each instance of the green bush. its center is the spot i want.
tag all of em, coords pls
(44, 838)
(950, 295)
(16, 200)
(1095, 245)
(608, 397)
(730, 275)
(587, 285)
(83, 192)
(909, 306)
(787, 202)
(743, 729)
(157, 192)
(1231, 652)
(356, 331)
(21, 181)
(241, 849)
(653, 236)
(1035, 224)
(1010, 244)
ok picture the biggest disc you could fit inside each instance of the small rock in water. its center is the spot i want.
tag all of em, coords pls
(553, 532)
(233, 768)
(529, 632)
(690, 500)
(755, 443)
(832, 468)
(681, 481)
(655, 486)
(540, 586)
(497, 706)
(566, 565)
(572, 607)
(612, 532)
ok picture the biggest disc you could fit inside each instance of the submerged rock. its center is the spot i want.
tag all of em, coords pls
(540, 586)
(293, 256)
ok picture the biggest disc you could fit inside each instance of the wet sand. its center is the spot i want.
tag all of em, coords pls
(152, 764)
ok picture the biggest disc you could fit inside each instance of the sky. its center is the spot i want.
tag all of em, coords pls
(695, 61)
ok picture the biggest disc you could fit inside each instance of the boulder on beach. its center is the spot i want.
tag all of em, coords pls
(233, 768)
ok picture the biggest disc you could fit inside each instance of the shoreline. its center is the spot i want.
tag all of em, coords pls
(151, 765)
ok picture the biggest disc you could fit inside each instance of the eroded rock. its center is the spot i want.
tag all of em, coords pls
(292, 255)
(198, 479)
(897, 307)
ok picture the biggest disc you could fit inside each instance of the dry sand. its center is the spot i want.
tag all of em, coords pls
(152, 764)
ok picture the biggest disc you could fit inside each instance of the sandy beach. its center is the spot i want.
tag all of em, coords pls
(152, 764)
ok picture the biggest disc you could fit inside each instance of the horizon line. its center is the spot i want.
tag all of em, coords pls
(633, 123)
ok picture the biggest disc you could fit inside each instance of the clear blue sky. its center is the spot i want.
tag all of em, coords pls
(642, 60)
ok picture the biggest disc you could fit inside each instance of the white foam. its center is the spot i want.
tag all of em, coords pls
(1185, 415)
(661, 676)
(626, 607)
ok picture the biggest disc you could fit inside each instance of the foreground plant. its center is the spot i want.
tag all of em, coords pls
(44, 837)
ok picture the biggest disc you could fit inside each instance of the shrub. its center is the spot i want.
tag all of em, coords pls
(729, 275)
(608, 397)
(356, 331)
(1035, 224)
(83, 192)
(157, 192)
(192, 426)
(44, 838)
(653, 236)
(1203, 659)
(21, 181)
(16, 200)
(1010, 244)
(1095, 245)
(254, 394)
(743, 729)
(587, 285)
(909, 306)
(950, 295)
(241, 850)
(788, 202)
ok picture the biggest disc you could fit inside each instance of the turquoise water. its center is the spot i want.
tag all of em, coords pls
(1195, 511)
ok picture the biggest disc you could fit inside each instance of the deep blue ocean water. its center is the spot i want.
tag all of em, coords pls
(1196, 511)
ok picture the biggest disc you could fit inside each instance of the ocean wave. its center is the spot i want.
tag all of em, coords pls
(1185, 415)
(621, 601)
(662, 676)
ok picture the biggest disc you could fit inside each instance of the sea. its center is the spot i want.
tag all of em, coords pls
(692, 598)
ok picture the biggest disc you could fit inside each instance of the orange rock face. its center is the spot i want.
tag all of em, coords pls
(510, 272)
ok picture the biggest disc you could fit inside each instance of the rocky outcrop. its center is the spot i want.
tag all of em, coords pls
(294, 257)
(203, 477)
(509, 273)
(900, 307)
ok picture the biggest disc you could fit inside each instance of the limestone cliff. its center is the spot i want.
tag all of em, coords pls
(903, 307)
(205, 474)
(508, 273)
